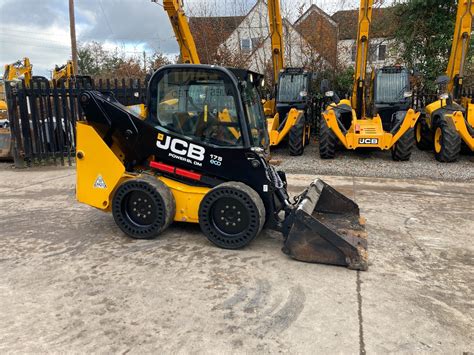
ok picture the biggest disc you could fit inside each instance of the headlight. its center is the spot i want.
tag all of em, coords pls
(444, 96)
(263, 83)
(329, 93)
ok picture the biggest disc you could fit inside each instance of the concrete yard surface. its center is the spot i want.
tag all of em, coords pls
(72, 282)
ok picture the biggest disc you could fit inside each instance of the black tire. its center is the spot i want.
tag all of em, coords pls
(401, 150)
(296, 140)
(143, 207)
(231, 215)
(447, 142)
(423, 135)
(327, 141)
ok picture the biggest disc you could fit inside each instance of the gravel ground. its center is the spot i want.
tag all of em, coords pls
(375, 163)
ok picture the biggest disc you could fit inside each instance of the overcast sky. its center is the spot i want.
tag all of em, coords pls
(39, 29)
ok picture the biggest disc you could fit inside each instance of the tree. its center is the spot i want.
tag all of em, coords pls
(98, 62)
(424, 35)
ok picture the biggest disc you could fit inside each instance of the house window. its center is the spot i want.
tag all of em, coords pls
(354, 53)
(382, 52)
(245, 45)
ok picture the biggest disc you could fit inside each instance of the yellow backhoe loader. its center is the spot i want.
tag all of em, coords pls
(348, 123)
(449, 121)
(204, 160)
(21, 69)
(289, 110)
(66, 74)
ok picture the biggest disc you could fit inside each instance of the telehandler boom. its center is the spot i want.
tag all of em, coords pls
(201, 156)
(179, 22)
(449, 121)
(347, 122)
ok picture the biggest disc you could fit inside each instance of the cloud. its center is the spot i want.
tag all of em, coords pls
(128, 21)
(39, 29)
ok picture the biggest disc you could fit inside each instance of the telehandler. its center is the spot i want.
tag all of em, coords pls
(201, 156)
(449, 121)
(289, 112)
(347, 122)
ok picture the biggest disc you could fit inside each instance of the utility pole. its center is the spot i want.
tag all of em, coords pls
(144, 61)
(72, 25)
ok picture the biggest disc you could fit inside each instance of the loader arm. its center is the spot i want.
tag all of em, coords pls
(181, 29)
(460, 46)
(365, 19)
(276, 33)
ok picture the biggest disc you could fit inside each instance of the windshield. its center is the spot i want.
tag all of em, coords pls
(256, 117)
(391, 86)
(198, 104)
(291, 86)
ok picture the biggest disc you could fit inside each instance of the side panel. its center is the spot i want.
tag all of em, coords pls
(98, 170)
(188, 198)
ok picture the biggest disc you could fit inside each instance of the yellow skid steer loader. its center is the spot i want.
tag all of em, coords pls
(203, 159)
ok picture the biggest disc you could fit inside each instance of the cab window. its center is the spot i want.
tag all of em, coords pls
(200, 105)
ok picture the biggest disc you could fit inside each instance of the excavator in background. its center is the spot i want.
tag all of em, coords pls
(185, 163)
(348, 122)
(65, 74)
(448, 123)
(291, 107)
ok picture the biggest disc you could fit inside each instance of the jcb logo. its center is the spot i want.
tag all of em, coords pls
(368, 140)
(180, 147)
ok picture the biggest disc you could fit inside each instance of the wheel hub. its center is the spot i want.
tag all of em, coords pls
(230, 216)
(437, 140)
(140, 208)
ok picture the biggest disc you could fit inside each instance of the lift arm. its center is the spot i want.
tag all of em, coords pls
(460, 46)
(18, 69)
(365, 19)
(276, 32)
(180, 25)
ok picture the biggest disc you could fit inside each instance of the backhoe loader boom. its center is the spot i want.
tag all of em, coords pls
(276, 33)
(180, 25)
(19, 69)
(459, 49)
(365, 19)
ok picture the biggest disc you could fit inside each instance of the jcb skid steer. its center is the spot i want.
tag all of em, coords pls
(200, 156)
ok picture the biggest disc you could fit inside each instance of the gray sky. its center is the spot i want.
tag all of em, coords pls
(39, 29)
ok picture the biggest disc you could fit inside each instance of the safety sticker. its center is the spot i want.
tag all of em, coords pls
(100, 183)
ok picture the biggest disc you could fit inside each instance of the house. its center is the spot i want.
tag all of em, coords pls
(321, 32)
(210, 32)
(381, 48)
(248, 41)
(314, 41)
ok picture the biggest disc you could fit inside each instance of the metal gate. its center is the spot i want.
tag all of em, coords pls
(43, 117)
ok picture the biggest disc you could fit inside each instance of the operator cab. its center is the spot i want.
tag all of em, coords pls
(294, 85)
(209, 105)
(392, 93)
